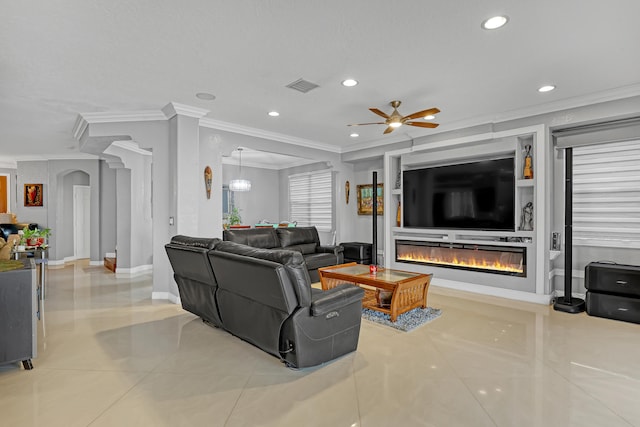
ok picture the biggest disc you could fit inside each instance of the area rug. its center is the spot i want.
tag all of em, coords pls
(406, 321)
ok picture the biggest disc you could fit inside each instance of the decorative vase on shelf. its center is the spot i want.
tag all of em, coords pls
(398, 214)
(527, 172)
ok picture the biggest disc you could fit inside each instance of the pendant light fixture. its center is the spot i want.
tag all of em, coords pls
(240, 184)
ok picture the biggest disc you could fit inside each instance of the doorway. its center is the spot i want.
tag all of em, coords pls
(4, 193)
(81, 221)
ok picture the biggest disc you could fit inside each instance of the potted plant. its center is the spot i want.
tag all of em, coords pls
(35, 237)
(233, 218)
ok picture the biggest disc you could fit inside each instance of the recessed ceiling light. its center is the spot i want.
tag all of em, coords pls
(274, 113)
(205, 96)
(495, 22)
(354, 135)
(547, 88)
(429, 117)
(349, 82)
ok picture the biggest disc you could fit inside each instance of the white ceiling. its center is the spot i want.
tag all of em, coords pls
(60, 58)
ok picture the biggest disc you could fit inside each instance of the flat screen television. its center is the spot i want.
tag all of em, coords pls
(477, 195)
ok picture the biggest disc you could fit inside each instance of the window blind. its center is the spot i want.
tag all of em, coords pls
(606, 195)
(311, 199)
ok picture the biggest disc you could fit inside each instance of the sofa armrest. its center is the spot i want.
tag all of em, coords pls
(335, 298)
(336, 250)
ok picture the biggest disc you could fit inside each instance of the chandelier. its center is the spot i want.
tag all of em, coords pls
(240, 184)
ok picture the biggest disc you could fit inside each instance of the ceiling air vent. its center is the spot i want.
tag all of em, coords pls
(302, 85)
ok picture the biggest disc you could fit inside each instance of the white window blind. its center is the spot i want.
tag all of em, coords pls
(311, 199)
(606, 195)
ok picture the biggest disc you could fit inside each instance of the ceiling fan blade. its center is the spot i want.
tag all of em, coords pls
(388, 130)
(380, 113)
(422, 113)
(422, 124)
(363, 124)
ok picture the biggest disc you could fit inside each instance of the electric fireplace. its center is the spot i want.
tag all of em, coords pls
(507, 260)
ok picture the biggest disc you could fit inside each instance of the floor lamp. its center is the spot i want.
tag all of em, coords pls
(567, 303)
(374, 216)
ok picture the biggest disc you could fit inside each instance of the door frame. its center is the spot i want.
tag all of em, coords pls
(8, 175)
(87, 222)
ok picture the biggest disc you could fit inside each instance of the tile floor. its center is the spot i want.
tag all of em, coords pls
(110, 356)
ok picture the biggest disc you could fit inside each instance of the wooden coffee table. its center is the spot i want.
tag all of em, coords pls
(390, 291)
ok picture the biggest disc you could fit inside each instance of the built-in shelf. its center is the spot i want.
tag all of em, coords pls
(528, 194)
(525, 182)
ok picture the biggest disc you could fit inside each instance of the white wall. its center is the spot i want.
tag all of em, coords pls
(210, 210)
(262, 202)
(362, 224)
(32, 172)
(107, 209)
(133, 210)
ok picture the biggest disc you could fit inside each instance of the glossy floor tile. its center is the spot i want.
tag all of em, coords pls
(110, 356)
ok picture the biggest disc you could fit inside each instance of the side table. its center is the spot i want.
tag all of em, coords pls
(39, 254)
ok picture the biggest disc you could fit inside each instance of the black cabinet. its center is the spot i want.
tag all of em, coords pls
(18, 321)
(613, 291)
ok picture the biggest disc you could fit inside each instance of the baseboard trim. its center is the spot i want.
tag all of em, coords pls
(128, 272)
(560, 294)
(491, 291)
(70, 259)
(578, 274)
(166, 296)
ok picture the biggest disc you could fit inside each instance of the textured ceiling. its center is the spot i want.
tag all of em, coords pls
(61, 58)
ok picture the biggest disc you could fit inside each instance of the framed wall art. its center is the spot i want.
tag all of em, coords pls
(33, 195)
(365, 199)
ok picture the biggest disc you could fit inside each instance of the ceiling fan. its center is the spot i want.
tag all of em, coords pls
(395, 120)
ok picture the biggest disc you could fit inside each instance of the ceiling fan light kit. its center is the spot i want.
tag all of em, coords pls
(395, 119)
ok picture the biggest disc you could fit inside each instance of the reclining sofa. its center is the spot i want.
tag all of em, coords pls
(301, 239)
(264, 297)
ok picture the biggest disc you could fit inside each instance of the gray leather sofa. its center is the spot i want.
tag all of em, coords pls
(301, 239)
(264, 296)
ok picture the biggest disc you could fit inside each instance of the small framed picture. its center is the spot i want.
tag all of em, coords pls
(33, 194)
(365, 199)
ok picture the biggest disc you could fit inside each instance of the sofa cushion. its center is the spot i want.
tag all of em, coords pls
(297, 236)
(195, 242)
(318, 260)
(255, 237)
(292, 261)
(304, 248)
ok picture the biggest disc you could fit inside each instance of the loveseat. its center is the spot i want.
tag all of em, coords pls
(301, 239)
(264, 297)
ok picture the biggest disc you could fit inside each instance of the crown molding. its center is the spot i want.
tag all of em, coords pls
(273, 136)
(127, 116)
(79, 127)
(8, 163)
(173, 109)
(131, 146)
(270, 166)
(85, 119)
(47, 157)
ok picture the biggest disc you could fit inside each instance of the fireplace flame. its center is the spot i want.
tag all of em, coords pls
(455, 261)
